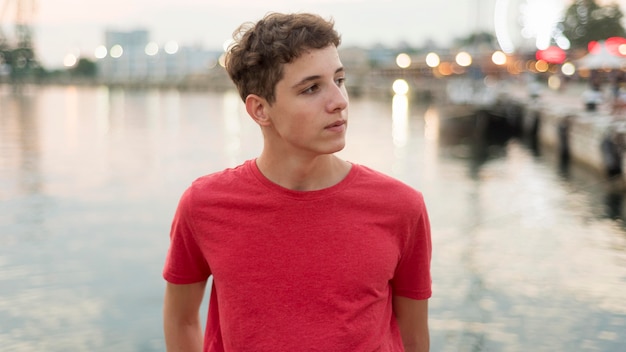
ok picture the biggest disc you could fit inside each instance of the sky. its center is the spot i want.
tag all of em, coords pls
(77, 26)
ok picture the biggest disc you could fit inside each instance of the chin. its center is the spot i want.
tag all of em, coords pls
(338, 148)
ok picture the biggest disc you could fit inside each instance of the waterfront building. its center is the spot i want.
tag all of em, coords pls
(132, 57)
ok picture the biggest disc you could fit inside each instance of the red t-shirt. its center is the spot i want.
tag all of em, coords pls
(301, 271)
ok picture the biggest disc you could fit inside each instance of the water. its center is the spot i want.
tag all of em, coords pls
(528, 255)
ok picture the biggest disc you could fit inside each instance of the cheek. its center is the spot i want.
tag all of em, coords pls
(289, 124)
(297, 124)
(296, 120)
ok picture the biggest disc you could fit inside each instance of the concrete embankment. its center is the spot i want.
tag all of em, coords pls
(559, 120)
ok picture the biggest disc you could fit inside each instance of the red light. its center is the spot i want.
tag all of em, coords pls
(612, 44)
(553, 55)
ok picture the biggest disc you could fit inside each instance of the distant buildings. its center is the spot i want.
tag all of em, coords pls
(131, 56)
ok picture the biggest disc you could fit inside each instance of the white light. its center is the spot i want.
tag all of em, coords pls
(171, 47)
(498, 58)
(152, 49)
(432, 60)
(568, 69)
(562, 42)
(400, 120)
(540, 19)
(500, 21)
(542, 43)
(463, 59)
(116, 51)
(400, 87)
(100, 52)
(403, 60)
(70, 60)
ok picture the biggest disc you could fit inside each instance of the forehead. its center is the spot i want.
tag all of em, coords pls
(312, 62)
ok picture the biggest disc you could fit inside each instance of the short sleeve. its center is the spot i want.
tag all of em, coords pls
(185, 262)
(412, 278)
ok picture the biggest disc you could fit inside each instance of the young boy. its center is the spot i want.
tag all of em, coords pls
(308, 252)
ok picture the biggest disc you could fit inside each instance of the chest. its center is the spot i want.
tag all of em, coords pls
(305, 244)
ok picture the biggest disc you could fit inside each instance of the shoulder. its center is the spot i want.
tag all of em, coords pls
(385, 187)
(215, 178)
(218, 183)
(378, 179)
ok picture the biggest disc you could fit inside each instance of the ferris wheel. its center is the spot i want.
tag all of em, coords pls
(529, 24)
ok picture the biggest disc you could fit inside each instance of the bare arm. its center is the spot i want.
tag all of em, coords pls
(412, 317)
(181, 317)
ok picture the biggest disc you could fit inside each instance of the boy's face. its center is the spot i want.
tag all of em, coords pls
(310, 113)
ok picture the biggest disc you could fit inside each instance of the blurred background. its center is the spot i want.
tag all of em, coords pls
(507, 114)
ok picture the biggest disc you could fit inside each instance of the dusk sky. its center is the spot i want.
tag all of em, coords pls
(64, 26)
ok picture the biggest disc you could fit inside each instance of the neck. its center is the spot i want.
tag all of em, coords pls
(301, 174)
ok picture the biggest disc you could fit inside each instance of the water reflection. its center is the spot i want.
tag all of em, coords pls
(20, 169)
(400, 130)
(525, 258)
(20, 132)
(400, 120)
(232, 124)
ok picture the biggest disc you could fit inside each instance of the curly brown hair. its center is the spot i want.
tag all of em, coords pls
(255, 60)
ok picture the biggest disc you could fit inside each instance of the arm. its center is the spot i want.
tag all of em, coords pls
(412, 317)
(181, 318)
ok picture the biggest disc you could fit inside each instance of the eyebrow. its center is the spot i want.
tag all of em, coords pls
(308, 79)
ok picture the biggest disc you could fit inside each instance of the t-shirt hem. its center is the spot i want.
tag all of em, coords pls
(415, 295)
(181, 280)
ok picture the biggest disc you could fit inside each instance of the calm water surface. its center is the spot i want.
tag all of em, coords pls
(528, 255)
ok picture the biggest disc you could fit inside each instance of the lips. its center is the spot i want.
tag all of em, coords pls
(336, 124)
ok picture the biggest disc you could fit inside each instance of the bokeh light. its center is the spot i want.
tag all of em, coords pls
(70, 60)
(432, 60)
(171, 47)
(568, 69)
(152, 49)
(100, 52)
(554, 82)
(463, 59)
(400, 87)
(498, 58)
(116, 51)
(403, 60)
(445, 69)
(541, 66)
(540, 20)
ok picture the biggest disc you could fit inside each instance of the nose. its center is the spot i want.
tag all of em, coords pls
(338, 99)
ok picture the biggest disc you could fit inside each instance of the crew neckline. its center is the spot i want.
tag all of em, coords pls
(303, 195)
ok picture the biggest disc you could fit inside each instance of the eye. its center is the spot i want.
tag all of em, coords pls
(312, 89)
(340, 81)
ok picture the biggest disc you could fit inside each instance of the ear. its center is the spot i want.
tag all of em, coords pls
(256, 108)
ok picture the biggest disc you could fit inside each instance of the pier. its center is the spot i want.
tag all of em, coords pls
(558, 120)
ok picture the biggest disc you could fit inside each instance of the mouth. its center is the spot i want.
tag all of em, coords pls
(336, 124)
